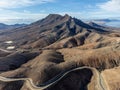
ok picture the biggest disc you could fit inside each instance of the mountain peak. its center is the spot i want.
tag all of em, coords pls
(53, 16)
(66, 16)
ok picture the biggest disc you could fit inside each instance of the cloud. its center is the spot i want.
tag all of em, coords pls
(100, 14)
(11, 17)
(110, 6)
(14, 21)
(29, 17)
(7, 4)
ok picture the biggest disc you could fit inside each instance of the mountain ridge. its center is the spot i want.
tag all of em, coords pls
(54, 45)
(6, 26)
(50, 29)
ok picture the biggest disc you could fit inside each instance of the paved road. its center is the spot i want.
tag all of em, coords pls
(5, 50)
(100, 84)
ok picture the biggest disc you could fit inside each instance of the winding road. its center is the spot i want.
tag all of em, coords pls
(99, 83)
(5, 50)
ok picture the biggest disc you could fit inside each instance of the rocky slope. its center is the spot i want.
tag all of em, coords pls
(55, 45)
(47, 31)
(50, 63)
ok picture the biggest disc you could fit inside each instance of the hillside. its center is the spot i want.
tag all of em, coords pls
(51, 29)
(48, 51)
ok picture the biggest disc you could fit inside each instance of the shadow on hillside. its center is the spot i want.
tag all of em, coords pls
(76, 80)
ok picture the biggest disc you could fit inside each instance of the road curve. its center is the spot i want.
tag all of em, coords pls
(5, 50)
(100, 84)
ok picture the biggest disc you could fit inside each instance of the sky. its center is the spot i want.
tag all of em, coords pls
(27, 11)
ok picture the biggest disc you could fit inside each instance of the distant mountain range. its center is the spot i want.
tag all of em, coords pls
(108, 22)
(6, 27)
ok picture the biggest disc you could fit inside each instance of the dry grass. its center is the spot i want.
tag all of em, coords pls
(49, 63)
(99, 58)
(112, 77)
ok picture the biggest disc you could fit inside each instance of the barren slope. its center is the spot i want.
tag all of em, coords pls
(55, 45)
(112, 77)
(47, 31)
(50, 63)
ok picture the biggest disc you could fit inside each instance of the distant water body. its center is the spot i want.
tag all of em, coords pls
(114, 24)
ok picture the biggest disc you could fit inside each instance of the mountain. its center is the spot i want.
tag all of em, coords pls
(2, 26)
(49, 30)
(107, 20)
(60, 53)
(5, 26)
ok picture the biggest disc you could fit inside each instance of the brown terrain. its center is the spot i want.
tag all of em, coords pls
(45, 50)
